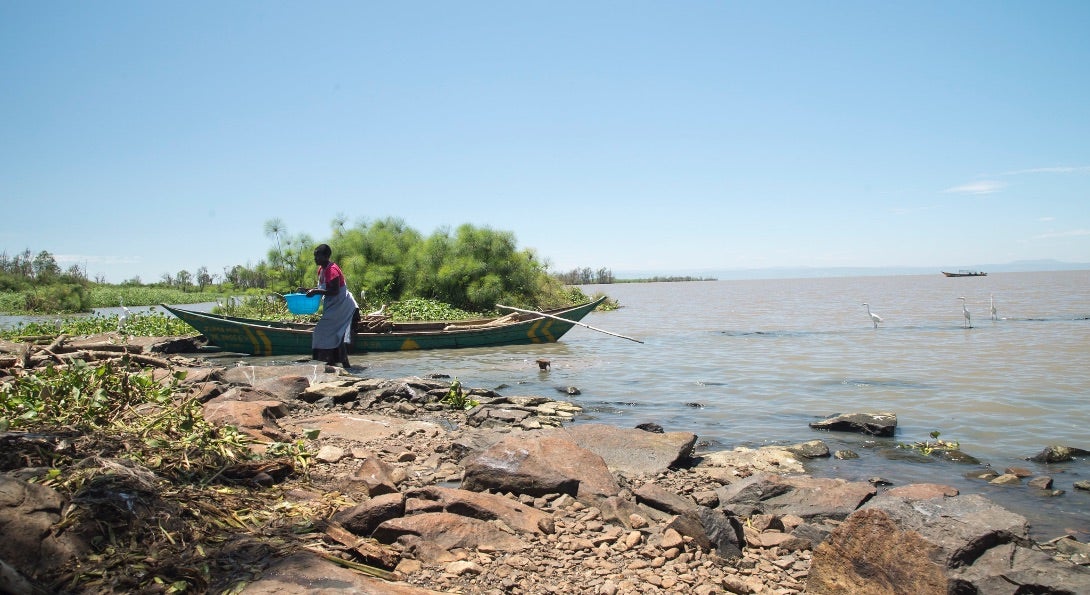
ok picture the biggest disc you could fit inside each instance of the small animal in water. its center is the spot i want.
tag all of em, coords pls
(543, 364)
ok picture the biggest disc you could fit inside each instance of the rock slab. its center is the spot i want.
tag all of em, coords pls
(963, 544)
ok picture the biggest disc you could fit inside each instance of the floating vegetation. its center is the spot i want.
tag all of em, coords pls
(153, 323)
(929, 447)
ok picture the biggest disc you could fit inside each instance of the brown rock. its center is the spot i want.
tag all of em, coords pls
(1058, 454)
(632, 451)
(671, 538)
(659, 498)
(247, 393)
(482, 506)
(538, 466)
(977, 547)
(769, 539)
(448, 531)
(812, 449)
(286, 388)
(338, 392)
(764, 522)
(374, 477)
(807, 497)
(256, 418)
(619, 509)
(1019, 471)
(1006, 479)
(875, 424)
(1043, 482)
(28, 513)
(901, 562)
(206, 391)
(308, 573)
(362, 428)
(253, 375)
(922, 491)
(364, 518)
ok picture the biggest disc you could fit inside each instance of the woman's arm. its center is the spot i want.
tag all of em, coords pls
(332, 286)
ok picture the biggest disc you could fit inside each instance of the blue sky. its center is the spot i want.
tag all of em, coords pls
(142, 138)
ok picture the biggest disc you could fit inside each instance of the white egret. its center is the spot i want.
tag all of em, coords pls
(965, 312)
(873, 317)
(123, 317)
(991, 302)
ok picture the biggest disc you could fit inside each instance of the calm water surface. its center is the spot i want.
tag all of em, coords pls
(751, 363)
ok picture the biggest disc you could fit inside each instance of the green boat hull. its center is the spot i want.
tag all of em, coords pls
(257, 337)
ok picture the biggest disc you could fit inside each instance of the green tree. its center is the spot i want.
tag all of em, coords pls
(203, 278)
(183, 279)
(74, 272)
(45, 267)
(473, 268)
(274, 228)
(477, 268)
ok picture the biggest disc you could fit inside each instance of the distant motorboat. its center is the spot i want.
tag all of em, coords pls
(966, 273)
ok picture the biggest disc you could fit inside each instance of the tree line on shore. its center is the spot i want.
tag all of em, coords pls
(471, 268)
(604, 276)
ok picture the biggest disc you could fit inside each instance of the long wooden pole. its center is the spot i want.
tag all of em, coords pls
(566, 320)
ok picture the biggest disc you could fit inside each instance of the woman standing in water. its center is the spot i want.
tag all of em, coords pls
(333, 335)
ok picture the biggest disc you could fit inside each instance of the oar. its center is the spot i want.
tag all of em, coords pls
(566, 320)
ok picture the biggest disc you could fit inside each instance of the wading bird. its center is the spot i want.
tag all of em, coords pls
(965, 312)
(123, 317)
(873, 317)
(991, 302)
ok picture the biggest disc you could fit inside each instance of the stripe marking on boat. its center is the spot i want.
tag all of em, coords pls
(539, 332)
(547, 331)
(259, 341)
(266, 341)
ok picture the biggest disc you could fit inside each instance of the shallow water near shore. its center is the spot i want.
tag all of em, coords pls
(752, 363)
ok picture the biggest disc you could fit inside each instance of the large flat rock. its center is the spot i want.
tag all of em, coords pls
(631, 451)
(307, 574)
(359, 427)
(539, 465)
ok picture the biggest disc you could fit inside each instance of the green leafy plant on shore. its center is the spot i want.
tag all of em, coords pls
(456, 398)
(296, 450)
(108, 399)
(927, 447)
(112, 296)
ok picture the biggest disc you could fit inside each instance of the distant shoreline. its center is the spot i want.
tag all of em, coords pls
(815, 272)
(665, 279)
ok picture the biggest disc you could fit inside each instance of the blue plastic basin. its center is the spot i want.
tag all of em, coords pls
(299, 303)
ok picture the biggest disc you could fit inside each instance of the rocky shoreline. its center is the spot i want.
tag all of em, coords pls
(507, 496)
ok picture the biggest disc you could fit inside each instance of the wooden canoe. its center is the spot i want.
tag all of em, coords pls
(262, 337)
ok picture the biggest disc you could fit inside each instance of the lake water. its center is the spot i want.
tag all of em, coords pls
(752, 363)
